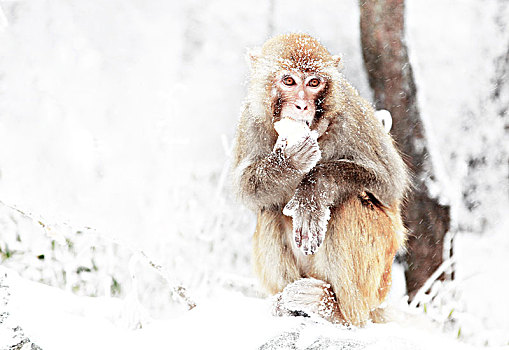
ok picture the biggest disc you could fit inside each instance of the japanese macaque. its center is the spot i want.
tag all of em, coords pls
(325, 180)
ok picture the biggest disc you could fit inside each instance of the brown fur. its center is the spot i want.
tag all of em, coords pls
(355, 258)
(360, 177)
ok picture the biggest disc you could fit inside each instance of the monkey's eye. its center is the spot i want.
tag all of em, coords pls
(288, 81)
(314, 82)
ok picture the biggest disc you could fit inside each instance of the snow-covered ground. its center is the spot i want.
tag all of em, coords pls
(116, 124)
(54, 319)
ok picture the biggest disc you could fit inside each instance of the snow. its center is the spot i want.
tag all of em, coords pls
(454, 48)
(116, 126)
(290, 131)
(480, 270)
(55, 320)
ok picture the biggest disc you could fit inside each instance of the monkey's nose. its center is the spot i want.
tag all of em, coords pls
(301, 105)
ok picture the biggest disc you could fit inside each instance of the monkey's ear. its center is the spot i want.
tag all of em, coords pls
(336, 61)
(385, 117)
(253, 55)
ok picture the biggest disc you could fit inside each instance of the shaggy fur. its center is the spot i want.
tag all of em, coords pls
(360, 180)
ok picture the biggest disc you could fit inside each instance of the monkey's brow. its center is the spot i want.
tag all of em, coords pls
(313, 75)
(292, 73)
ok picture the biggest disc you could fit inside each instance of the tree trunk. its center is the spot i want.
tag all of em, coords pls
(391, 78)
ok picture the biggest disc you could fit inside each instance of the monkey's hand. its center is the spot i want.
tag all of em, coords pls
(310, 220)
(304, 154)
(307, 297)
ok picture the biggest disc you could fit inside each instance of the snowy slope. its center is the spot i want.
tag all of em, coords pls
(55, 320)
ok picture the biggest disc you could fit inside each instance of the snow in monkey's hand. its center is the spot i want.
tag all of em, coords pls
(310, 218)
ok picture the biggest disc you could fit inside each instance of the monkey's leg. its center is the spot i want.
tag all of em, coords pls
(274, 262)
(279, 272)
(356, 257)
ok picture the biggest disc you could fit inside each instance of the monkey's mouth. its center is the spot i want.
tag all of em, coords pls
(308, 121)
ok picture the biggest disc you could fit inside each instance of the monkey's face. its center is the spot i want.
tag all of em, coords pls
(298, 95)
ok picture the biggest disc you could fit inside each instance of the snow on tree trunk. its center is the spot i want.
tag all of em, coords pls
(391, 78)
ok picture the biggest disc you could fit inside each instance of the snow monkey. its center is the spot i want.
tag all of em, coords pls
(325, 180)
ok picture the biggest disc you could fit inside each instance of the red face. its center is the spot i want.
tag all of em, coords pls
(299, 92)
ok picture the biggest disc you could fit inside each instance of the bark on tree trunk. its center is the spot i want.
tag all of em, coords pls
(391, 78)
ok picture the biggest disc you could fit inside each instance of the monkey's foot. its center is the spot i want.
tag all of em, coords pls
(307, 297)
(309, 225)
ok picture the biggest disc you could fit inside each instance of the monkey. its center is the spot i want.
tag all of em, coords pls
(328, 205)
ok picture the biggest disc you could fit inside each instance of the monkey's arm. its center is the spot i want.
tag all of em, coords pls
(271, 180)
(330, 184)
(334, 182)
